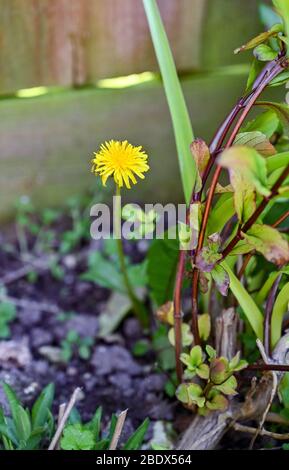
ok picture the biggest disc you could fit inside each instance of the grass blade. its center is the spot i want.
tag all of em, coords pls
(178, 109)
(250, 309)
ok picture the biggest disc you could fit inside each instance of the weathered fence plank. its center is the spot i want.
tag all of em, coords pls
(74, 42)
(46, 143)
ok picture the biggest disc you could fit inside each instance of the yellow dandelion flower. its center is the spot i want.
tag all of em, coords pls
(121, 160)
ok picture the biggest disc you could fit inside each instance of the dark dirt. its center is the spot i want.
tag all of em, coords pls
(112, 377)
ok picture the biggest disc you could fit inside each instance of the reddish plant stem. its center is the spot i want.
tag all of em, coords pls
(214, 149)
(252, 98)
(281, 219)
(178, 314)
(268, 315)
(256, 214)
(244, 265)
(263, 367)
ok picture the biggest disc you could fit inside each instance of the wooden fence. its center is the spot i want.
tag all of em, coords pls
(46, 142)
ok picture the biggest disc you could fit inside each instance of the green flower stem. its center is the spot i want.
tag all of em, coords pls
(137, 306)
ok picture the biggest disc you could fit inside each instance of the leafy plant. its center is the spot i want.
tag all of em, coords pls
(26, 430)
(240, 246)
(7, 315)
(75, 343)
(89, 436)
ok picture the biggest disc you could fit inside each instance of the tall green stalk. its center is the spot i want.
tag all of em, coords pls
(138, 308)
(179, 113)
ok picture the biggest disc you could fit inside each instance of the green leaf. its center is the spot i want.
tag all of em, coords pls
(22, 424)
(281, 109)
(266, 122)
(228, 387)
(279, 309)
(187, 337)
(264, 291)
(95, 424)
(283, 8)
(42, 406)
(221, 213)
(218, 402)
(256, 140)
(104, 273)
(250, 309)
(277, 161)
(136, 439)
(162, 258)
(204, 324)
(269, 242)
(179, 113)
(265, 53)
(260, 39)
(13, 400)
(255, 70)
(247, 163)
(248, 173)
(76, 437)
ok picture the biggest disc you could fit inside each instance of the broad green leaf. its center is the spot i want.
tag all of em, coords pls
(163, 258)
(277, 161)
(260, 39)
(179, 113)
(256, 140)
(265, 53)
(244, 196)
(281, 109)
(4, 429)
(266, 122)
(42, 406)
(136, 439)
(76, 437)
(269, 242)
(281, 306)
(250, 309)
(221, 213)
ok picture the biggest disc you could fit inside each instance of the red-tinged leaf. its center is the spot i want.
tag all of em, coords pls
(201, 154)
(209, 255)
(256, 140)
(221, 279)
(269, 242)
